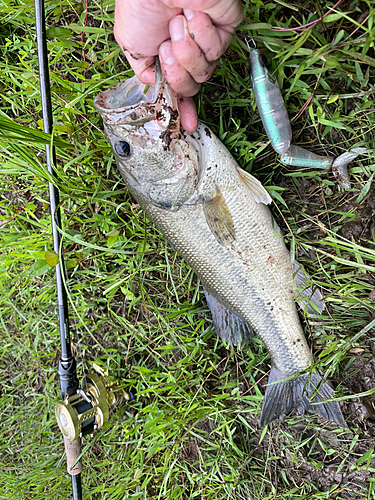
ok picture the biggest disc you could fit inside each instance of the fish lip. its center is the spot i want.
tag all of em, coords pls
(129, 93)
(133, 115)
(159, 80)
(131, 103)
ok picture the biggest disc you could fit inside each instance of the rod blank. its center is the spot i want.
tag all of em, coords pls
(67, 364)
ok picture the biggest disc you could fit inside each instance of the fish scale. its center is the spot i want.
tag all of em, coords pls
(241, 275)
(212, 214)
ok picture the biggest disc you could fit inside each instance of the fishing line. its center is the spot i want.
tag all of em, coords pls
(74, 318)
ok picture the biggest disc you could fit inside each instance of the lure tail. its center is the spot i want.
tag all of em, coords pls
(284, 396)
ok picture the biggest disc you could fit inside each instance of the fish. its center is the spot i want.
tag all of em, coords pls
(215, 216)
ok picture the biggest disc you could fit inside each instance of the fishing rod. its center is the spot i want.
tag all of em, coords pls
(67, 364)
(84, 408)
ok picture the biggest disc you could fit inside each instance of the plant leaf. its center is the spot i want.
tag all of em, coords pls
(51, 258)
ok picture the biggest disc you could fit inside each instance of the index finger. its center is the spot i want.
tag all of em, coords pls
(143, 67)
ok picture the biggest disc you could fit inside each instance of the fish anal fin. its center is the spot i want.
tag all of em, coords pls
(219, 218)
(307, 297)
(229, 326)
(258, 191)
(284, 396)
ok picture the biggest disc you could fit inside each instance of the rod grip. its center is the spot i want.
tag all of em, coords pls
(73, 451)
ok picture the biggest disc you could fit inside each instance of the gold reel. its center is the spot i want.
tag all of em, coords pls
(87, 410)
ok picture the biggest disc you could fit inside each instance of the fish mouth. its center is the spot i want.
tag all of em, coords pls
(134, 103)
(126, 94)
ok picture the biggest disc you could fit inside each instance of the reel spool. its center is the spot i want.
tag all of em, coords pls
(88, 409)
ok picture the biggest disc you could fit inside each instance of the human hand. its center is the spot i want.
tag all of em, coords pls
(188, 41)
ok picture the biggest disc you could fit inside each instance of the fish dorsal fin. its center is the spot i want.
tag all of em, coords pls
(306, 295)
(219, 218)
(259, 193)
(229, 326)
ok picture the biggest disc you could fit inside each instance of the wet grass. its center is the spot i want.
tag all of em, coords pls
(137, 308)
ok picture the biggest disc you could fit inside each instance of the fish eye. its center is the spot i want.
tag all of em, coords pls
(122, 148)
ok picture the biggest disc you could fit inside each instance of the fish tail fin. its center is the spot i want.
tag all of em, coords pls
(283, 396)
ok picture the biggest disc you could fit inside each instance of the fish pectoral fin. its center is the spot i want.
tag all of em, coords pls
(306, 297)
(229, 326)
(219, 219)
(284, 396)
(259, 193)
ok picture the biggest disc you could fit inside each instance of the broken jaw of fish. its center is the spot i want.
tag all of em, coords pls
(133, 103)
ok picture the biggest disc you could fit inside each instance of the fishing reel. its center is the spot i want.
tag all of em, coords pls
(88, 409)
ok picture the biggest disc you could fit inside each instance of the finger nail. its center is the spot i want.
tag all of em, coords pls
(166, 54)
(189, 14)
(177, 28)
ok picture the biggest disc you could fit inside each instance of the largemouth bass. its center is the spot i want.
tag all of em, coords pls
(215, 216)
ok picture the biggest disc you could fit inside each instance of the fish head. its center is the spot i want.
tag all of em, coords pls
(142, 124)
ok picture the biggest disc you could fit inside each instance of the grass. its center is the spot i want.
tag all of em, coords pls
(137, 308)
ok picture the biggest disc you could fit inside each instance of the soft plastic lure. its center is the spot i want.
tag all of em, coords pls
(270, 103)
(340, 166)
(299, 157)
(276, 123)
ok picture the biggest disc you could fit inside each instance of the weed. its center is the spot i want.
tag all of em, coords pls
(138, 309)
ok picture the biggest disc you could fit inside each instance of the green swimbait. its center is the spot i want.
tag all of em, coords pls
(300, 157)
(270, 103)
(215, 216)
(276, 123)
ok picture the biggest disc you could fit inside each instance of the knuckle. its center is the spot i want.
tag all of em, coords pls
(201, 78)
(186, 55)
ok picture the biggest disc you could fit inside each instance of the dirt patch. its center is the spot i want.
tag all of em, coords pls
(194, 451)
(359, 379)
(362, 228)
